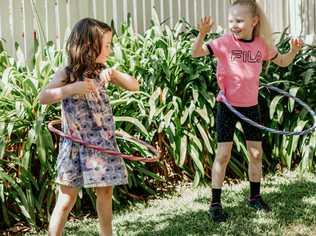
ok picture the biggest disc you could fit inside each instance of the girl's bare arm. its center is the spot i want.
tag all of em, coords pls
(124, 80)
(199, 49)
(284, 60)
(57, 90)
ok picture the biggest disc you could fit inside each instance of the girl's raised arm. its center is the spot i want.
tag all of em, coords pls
(199, 49)
(284, 60)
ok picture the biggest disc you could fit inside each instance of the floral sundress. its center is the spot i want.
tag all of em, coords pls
(90, 118)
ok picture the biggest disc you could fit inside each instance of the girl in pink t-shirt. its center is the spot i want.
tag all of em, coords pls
(240, 54)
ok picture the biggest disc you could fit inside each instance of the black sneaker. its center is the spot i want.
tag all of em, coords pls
(217, 213)
(258, 204)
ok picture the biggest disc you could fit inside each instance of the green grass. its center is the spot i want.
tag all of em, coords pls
(184, 212)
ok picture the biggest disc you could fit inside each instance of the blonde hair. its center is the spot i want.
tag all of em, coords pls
(263, 28)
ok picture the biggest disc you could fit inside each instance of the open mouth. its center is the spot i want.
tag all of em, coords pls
(236, 31)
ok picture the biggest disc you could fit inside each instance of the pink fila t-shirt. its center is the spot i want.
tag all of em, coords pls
(239, 65)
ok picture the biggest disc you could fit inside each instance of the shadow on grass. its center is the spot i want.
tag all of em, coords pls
(293, 204)
(290, 204)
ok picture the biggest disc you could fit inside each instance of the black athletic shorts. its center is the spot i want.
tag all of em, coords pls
(226, 123)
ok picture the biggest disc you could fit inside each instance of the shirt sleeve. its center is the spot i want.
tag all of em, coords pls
(216, 46)
(210, 50)
(269, 53)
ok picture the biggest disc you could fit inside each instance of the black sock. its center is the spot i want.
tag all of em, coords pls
(254, 189)
(216, 196)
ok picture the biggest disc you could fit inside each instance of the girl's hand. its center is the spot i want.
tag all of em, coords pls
(83, 87)
(205, 25)
(296, 45)
(106, 76)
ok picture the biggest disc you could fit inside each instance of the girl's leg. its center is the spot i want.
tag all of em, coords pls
(254, 147)
(255, 160)
(222, 158)
(104, 209)
(255, 174)
(218, 174)
(66, 199)
(225, 127)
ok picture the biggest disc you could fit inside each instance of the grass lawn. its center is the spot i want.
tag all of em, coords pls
(184, 212)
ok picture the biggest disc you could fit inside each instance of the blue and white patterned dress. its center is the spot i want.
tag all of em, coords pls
(90, 118)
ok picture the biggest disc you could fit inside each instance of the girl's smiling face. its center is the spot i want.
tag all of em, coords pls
(106, 49)
(242, 22)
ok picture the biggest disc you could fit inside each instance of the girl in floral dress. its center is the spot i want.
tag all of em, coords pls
(87, 114)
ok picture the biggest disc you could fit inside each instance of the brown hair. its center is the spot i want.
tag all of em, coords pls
(83, 47)
(263, 28)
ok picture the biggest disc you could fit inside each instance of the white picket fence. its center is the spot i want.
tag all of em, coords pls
(21, 20)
